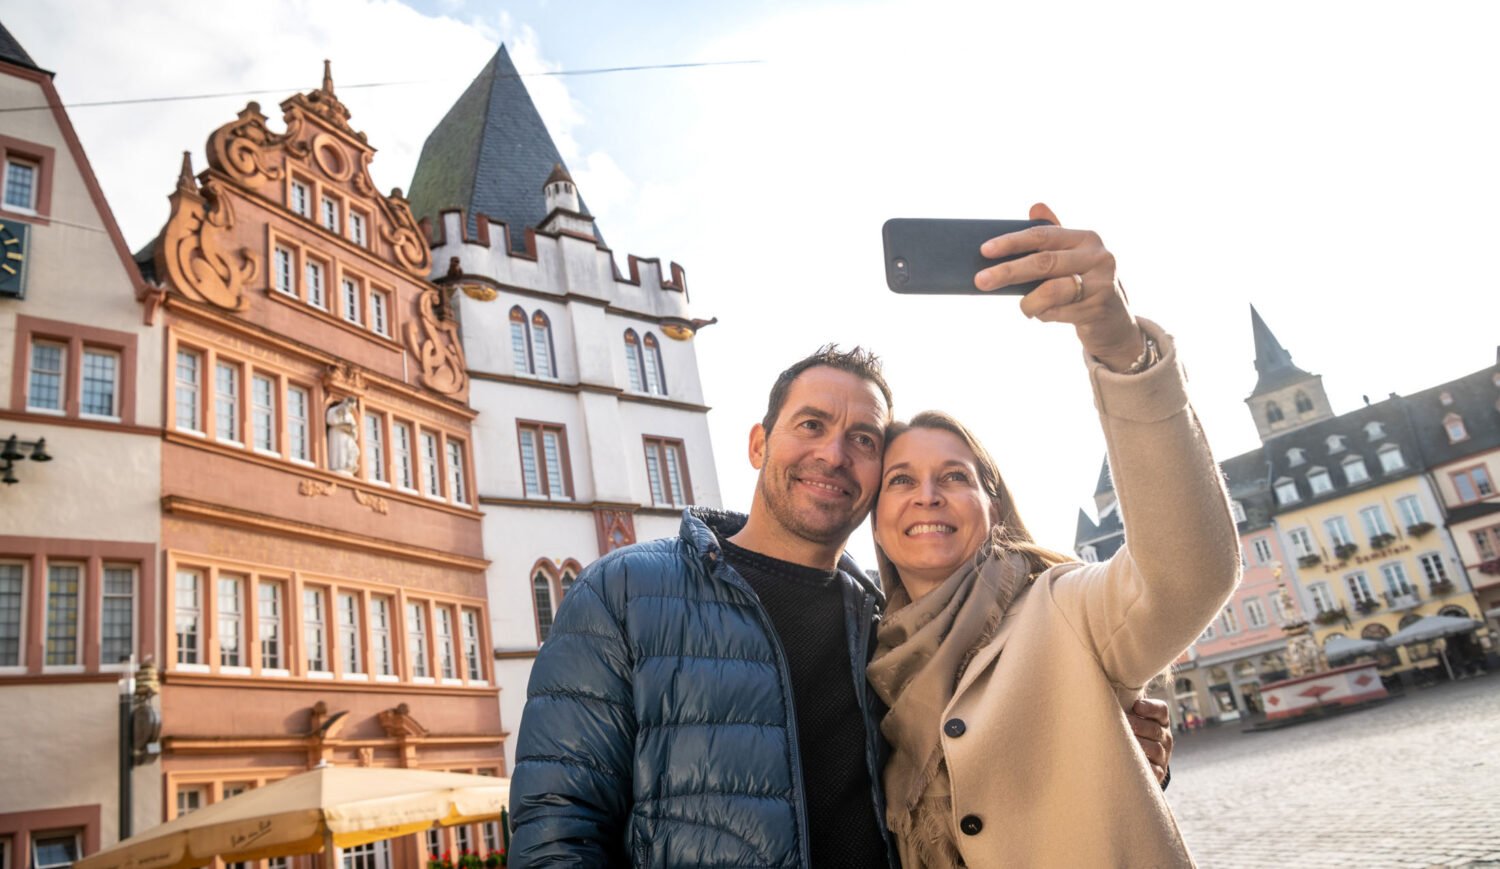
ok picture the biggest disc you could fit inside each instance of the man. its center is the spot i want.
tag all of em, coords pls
(702, 700)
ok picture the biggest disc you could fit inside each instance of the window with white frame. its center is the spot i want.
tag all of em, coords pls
(1286, 492)
(227, 402)
(1322, 597)
(404, 465)
(268, 622)
(566, 582)
(1228, 620)
(191, 798)
(1302, 542)
(1411, 510)
(473, 660)
(434, 842)
(300, 199)
(20, 185)
(520, 342)
(1255, 613)
(1237, 510)
(1453, 424)
(457, 490)
(188, 605)
(463, 839)
(64, 614)
(1338, 530)
(375, 448)
(349, 633)
(1359, 588)
(101, 383)
(634, 368)
(666, 472)
(1472, 484)
(315, 630)
(45, 386)
(1487, 541)
(116, 615)
(1433, 568)
(541, 346)
(317, 292)
(446, 647)
(357, 223)
(12, 590)
(1373, 518)
(1355, 470)
(330, 214)
(231, 605)
(1262, 548)
(1319, 481)
(284, 262)
(298, 427)
(491, 831)
(349, 300)
(263, 413)
(1396, 581)
(55, 850)
(382, 649)
(372, 855)
(542, 461)
(1208, 634)
(541, 596)
(416, 640)
(380, 318)
(432, 473)
(1391, 459)
(656, 373)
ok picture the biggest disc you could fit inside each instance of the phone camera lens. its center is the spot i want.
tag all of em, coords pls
(901, 275)
(900, 265)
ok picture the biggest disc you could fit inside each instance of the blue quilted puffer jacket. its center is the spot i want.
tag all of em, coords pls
(659, 728)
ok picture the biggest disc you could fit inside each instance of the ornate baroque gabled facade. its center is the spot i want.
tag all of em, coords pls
(325, 590)
(592, 431)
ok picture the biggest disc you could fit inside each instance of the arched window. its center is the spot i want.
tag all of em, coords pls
(633, 364)
(1273, 412)
(520, 341)
(566, 583)
(541, 346)
(1304, 404)
(1457, 612)
(656, 375)
(541, 593)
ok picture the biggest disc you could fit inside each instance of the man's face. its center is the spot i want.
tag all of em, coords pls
(820, 466)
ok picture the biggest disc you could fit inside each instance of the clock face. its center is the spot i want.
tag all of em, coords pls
(13, 238)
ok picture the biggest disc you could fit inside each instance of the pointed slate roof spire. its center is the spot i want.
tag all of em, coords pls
(1272, 362)
(11, 51)
(491, 155)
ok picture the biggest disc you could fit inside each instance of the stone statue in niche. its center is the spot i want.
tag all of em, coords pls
(343, 436)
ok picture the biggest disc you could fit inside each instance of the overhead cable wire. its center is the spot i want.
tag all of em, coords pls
(378, 84)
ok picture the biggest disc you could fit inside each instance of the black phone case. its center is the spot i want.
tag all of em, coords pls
(941, 256)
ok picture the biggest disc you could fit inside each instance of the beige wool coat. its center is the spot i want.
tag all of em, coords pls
(1046, 771)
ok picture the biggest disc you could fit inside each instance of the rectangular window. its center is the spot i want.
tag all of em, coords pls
(64, 589)
(472, 659)
(1373, 518)
(1395, 578)
(1355, 472)
(189, 389)
(284, 265)
(380, 318)
(416, 639)
(315, 629)
(666, 466)
(349, 633)
(45, 388)
(1411, 510)
(1322, 598)
(375, 448)
(1338, 531)
(1302, 542)
(268, 623)
(20, 185)
(189, 617)
(55, 850)
(431, 471)
(12, 585)
(463, 839)
(542, 454)
(357, 223)
(1391, 460)
(231, 606)
(1229, 621)
(373, 855)
(1433, 569)
(263, 412)
(1255, 613)
(406, 476)
(1472, 484)
(330, 214)
(298, 401)
(1208, 634)
(381, 648)
(317, 295)
(456, 489)
(447, 660)
(349, 300)
(1359, 588)
(1286, 492)
(117, 616)
(1320, 482)
(1487, 540)
(301, 202)
(227, 402)
(1262, 548)
(101, 383)
(191, 798)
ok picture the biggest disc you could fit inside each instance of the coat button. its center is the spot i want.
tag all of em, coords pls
(971, 825)
(955, 727)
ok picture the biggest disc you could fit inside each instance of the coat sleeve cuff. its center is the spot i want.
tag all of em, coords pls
(1155, 394)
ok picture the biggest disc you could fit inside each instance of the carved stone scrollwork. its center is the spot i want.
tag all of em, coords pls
(343, 378)
(374, 502)
(313, 488)
(242, 147)
(399, 229)
(193, 252)
(434, 341)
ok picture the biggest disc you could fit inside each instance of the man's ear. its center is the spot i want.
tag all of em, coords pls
(757, 446)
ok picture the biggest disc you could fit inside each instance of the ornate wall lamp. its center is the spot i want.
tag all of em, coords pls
(12, 453)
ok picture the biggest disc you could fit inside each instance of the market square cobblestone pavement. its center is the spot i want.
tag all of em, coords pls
(1411, 783)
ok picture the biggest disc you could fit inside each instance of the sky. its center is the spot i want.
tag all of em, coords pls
(1330, 163)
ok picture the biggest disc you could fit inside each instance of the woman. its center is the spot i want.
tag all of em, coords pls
(1007, 666)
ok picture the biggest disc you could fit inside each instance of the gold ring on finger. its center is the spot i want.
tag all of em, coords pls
(1077, 293)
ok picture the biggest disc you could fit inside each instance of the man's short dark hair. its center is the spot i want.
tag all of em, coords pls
(857, 361)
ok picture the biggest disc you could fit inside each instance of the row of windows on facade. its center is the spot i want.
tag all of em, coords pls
(547, 473)
(333, 214)
(20, 185)
(98, 380)
(64, 612)
(279, 411)
(1355, 472)
(360, 303)
(351, 633)
(1273, 410)
(532, 353)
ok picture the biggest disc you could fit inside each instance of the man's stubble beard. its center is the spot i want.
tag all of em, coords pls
(779, 500)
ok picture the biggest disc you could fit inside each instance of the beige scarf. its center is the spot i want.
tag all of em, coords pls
(922, 649)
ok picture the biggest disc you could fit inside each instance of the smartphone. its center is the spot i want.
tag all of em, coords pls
(942, 256)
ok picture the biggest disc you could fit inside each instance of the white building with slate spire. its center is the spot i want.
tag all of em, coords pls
(592, 429)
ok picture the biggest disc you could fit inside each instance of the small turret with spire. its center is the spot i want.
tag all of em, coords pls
(1285, 398)
(564, 211)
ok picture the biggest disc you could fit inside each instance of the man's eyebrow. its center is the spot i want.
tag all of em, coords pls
(814, 412)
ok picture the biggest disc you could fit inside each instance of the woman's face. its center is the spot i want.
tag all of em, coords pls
(932, 514)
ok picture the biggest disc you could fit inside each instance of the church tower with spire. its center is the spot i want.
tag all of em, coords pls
(1286, 398)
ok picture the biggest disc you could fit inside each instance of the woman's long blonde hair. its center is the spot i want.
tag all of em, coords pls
(1006, 528)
